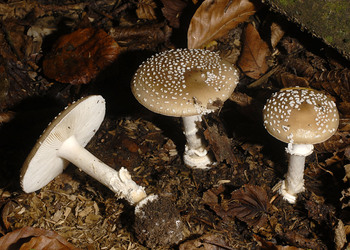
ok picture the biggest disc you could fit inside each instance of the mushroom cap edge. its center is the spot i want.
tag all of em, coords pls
(42, 164)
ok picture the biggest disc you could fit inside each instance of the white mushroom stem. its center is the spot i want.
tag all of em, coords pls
(196, 155)
(294, 179)
(119, 182)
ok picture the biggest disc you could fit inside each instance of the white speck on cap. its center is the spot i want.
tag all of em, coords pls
(306, 116)
(198, 76)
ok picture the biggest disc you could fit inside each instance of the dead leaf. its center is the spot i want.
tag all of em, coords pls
(339, 141)
(249, 204)
(252, 60)
(334, 81)
(145, 9)
(40, 239)
(344, 108)
(205, 242)
(345, 199)
(6, 116)
(5, 211)
(347, 173)
(340, 235)
(290, 80)
(220, 144)
(276, 34)
(319, 211)
(172, 11)
(142, 36)
(214, 19)
(78, 57)
(44, 243)
(266, 245)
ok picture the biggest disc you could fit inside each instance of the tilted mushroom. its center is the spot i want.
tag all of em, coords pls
(185, 83)
(300, 117)
(64, 140)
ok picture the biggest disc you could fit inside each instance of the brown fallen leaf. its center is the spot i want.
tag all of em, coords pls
(214, 19)
(172, 11)
(249, 204)
(276, 34)
(340, 235)
(266, 245)
(5, 211)
(205, 242)
(290, 80)
(220, 144)
(6, 116)
(334, 81)
(44, 243)
(145, 9)
(339, 141)
(39, 239)
(252, 60)
(142, 36)
(78, 57)
(344, 108)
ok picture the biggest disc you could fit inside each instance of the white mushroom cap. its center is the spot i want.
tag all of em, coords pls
(183, 82)
(300, 116)
(81, 119)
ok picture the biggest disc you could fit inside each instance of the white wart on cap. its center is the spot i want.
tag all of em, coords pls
(183, 82)
(300, 116)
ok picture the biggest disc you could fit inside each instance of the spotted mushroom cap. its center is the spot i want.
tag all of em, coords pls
(300, 116)
(184, 82)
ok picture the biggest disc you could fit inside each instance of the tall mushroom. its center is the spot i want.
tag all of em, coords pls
(300, 117)
(185, 83)
(64, 140)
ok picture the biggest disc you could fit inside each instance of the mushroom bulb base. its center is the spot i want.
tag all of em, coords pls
(157, 222)
(294, 179)
(119, 182)
(195, 156)
(291, 198)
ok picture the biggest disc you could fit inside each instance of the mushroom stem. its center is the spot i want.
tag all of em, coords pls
(294, 179)
(195, 155)
(119, 182)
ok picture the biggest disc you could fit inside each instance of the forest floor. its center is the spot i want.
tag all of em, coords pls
(233, 204)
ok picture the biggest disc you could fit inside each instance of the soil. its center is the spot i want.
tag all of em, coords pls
(232, 205)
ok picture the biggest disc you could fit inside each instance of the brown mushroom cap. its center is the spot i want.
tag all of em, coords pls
(183, 82)
(300, 116)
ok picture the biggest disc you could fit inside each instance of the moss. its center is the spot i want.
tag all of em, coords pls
(328, 20)
(286, 2)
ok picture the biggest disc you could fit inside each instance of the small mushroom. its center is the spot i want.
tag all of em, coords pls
(64, 140)
(185, 83)
(300, 117)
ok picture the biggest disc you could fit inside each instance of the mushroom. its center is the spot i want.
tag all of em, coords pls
(300, 117)
(64, 140)
(185, 83)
